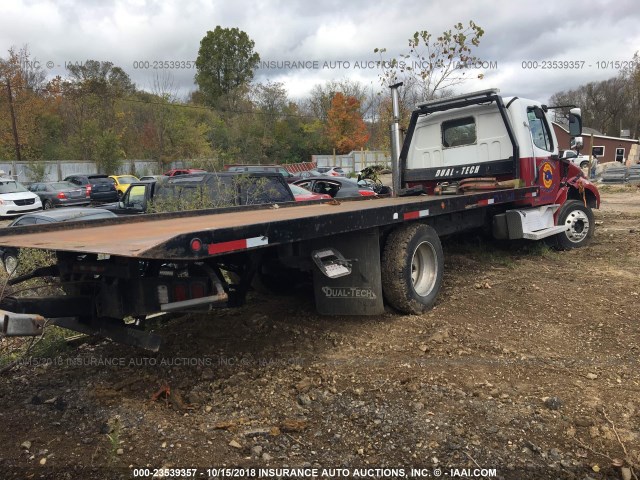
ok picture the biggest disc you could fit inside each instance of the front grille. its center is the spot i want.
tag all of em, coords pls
(27, 201)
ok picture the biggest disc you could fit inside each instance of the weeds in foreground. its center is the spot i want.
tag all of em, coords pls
(53, 343)
(114, 437)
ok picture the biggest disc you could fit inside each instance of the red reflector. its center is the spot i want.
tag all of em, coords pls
(367, 193)
(61, 195)
(179, 293)
(197, 290)
(196, 245)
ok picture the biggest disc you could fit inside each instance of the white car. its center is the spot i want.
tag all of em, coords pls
(581, 161)
(15, 199)
(331, 171)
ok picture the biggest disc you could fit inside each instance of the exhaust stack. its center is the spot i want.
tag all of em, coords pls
(396, 139)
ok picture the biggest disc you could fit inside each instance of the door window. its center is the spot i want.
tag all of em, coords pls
(539, 131)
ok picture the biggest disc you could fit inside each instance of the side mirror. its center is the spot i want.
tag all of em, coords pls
(577, 143)
(575, 122)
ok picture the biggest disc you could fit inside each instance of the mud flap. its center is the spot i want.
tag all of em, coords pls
(358, 293)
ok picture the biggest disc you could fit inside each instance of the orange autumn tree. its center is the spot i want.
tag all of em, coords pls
(345, 128)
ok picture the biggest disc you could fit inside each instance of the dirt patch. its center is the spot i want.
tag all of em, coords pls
(527, 364)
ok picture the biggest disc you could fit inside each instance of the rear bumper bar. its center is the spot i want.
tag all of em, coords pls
(20, 324)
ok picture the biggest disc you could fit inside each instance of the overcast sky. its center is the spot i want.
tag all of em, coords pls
(129, 31)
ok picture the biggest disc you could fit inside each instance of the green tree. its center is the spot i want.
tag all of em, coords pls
(96, 121)
(225, 63)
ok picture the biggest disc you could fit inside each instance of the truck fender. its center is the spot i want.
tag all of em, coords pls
(579, 188)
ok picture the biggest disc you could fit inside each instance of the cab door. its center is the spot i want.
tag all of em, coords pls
(547, 169)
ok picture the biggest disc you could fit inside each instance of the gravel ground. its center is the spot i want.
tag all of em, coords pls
(527, 365)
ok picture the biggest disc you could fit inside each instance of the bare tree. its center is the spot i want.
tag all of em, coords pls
(435, 64)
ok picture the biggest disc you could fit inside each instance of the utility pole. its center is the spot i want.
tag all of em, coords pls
(13, 122)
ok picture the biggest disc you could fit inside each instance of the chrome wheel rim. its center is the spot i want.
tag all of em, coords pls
(10, 264)
(424, 269)
(577, 224)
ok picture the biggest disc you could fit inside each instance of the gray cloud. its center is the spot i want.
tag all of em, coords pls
(128, 31)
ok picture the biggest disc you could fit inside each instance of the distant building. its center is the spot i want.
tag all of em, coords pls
(607, 149)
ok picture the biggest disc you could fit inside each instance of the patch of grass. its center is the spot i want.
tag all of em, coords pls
(480, 248)
(53, 344)
(497, 252)
(114, 437)
(538, 249)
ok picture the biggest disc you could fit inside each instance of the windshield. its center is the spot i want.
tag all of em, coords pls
(101, 180)
(63, 186)
(11, 186)
(127, 180)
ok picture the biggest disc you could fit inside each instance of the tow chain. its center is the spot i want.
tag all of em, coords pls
(582, 192)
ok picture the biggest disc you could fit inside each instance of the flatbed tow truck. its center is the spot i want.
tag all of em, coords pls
(472, 161)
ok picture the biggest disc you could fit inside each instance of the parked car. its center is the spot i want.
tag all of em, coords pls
(307, 174)
(304, 195)
(203, 190)
(9, 255)
(15, 199)
(331, 171)
(288, 176)
(580, 160)
(182, 171)
(100, 188)
(335, 187)
(153, 178)
(59, 194)
(122, 182)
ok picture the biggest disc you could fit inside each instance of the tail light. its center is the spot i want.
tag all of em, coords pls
(180, 292)
(334, 174)
(89, 190)
(61, 195)
(196, 245)
(367, 193)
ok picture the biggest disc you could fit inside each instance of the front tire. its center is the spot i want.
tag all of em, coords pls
(579, 222)
(46, 205)
(412, 268)
(584, 164)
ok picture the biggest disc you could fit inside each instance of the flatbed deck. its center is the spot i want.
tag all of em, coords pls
(168, 236)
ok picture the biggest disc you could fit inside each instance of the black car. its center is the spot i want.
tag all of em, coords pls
(9, 255)
(337, 187)
(203, 190)
(60, 194)
(306, 174)
(101, 188)
(288, 176)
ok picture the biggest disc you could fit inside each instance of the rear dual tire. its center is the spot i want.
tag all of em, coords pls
(412, 268)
